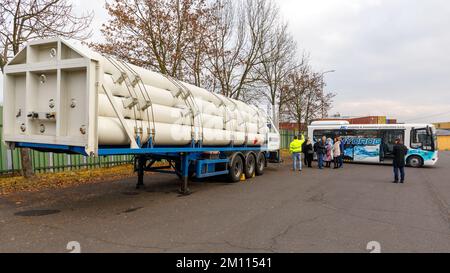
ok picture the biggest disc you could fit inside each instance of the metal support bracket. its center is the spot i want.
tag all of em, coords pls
(122, 78)
(130, 103)
(135, 81)
(119, 114)
(147, 105)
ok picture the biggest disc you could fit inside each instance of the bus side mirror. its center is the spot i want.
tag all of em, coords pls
(431, 138)
(429, 131)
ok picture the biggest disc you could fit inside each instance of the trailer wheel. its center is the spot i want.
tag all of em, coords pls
(236, 169)
(260, 164)
(250, 165)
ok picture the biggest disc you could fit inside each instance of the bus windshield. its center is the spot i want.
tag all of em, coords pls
(423, 138)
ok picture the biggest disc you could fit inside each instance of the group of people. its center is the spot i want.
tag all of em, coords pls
(326, 150)
(329, 151)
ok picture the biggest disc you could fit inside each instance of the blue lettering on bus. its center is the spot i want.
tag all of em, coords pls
(361, 141)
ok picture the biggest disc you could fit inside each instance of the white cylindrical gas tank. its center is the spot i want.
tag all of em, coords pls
(177, 110)
(157, 95)
(86, 99)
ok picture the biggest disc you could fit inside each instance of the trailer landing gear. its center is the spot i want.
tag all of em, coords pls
(184, 190)
(140, 170)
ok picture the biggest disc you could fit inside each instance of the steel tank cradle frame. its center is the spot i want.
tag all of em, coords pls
(187, 156)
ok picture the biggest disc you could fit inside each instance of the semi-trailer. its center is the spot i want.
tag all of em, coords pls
(64, 98)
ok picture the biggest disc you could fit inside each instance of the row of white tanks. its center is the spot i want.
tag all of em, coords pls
(175, 118)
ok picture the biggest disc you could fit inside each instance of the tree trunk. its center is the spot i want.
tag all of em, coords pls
(27, 167)
(275, 120)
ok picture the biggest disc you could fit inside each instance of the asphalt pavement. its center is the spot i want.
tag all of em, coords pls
(282, 211)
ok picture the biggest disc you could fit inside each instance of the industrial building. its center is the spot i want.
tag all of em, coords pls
(443, 135)
(293, 126)
(363, 120)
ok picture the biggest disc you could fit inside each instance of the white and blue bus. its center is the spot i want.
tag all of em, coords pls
(373, 143)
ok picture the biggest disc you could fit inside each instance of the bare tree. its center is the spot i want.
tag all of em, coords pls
(239, 48)
(278, 60)
(226, 41)
(306, 99)
(25, 20)
(318, 101)
(297, 89)
(197, 53)
(166, 36)
(237, 44)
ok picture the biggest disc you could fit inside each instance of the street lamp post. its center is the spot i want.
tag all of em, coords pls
(323, 86)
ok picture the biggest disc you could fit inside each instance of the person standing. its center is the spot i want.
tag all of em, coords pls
(320, 149)
(329, 152)
(337, 152)
(308, 151)
(296, 152)
(341, 158)
(305, 157)
(399, 152)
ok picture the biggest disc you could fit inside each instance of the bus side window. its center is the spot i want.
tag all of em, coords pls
(318, 134)
(389, 137)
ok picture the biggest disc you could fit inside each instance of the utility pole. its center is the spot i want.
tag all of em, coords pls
(323, 87)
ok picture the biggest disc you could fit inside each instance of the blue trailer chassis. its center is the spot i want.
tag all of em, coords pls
(184, 161)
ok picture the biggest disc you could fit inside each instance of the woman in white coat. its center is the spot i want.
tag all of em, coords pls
(336, 152)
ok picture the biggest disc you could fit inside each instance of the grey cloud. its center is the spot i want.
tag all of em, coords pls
(385, 52)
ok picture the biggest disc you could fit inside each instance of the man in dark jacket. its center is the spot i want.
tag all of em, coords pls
(320, 149)
(400, 151)
(341, 158)
(305, 151)
(308, 150)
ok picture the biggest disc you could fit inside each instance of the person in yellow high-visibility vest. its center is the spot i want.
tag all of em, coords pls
(296, 152)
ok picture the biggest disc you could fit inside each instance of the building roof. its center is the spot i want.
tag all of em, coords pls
(442, 132)
(362, 120)
(443, 125)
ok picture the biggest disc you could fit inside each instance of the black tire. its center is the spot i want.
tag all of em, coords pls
(415, 161)
(236, 169)
(260, 164)
(250, 166)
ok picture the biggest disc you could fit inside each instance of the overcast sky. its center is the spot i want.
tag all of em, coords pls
(391, 56)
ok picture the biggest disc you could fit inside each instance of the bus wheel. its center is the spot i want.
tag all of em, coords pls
(260, 164)
(250, 166)
(415, 161)
(236, 169)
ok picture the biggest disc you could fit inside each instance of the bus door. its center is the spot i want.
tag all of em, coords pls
(387, 145)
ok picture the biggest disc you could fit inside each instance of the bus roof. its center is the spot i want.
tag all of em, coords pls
(371, 126)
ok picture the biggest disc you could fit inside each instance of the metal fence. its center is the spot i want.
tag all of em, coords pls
(50, 162)
(287, 137)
